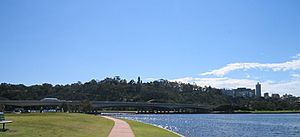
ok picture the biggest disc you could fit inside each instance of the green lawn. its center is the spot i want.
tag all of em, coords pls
(57, 125)
(146, 130)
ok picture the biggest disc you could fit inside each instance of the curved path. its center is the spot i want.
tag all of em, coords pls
(120, 129)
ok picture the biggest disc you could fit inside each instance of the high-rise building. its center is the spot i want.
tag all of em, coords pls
(258, 90)
(139, 80)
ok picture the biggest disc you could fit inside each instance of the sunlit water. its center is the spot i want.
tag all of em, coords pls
(226, 125)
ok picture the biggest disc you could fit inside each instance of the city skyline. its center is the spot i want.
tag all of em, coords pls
(223, 44)
(254, 72)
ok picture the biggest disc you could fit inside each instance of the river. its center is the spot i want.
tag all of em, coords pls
(225, 125)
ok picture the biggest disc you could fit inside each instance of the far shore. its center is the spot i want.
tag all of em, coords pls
(267, 112)
(214, 112)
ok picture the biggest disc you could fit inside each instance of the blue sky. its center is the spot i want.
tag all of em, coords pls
(64, 41)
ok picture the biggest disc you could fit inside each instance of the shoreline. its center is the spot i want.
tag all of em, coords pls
(215, 112)
(166, 129)
(162, 128)
(156, 126)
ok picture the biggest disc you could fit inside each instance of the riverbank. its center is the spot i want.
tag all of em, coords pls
(57, 124)
(147, 130)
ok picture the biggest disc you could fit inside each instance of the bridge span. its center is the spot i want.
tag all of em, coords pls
(98, 105)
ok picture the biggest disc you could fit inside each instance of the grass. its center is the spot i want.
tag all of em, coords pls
(72, 125)
(146, 130)
(57, 125)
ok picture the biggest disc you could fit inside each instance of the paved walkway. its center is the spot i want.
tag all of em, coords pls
(120, 129)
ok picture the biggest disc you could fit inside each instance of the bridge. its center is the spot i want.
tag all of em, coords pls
(141, 107)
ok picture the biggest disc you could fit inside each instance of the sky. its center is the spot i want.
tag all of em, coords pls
(221, 43)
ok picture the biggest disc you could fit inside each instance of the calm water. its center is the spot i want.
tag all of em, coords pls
(226, 125)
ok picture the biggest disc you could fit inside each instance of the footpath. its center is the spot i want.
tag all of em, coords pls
(120, 129)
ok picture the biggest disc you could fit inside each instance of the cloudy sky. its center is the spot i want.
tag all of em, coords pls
(225, 44)
(280, 77)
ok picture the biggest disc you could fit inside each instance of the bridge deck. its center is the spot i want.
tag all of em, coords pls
(103, 104)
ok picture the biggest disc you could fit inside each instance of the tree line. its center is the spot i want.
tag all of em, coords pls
(160, 91)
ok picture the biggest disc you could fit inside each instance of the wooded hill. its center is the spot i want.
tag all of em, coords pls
(161, 91)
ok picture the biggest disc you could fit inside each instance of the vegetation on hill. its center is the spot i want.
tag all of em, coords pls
(117, 89)
(162, 91)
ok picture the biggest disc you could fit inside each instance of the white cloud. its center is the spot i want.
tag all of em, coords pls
(296, 75)
(285, 66)
(296, 56)
(291, 86)
(288, 87)
(151, 79)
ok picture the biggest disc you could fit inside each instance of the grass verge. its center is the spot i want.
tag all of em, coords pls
(57, 125)
(147, 130)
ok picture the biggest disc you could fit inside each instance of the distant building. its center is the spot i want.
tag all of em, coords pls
(239, 92)
(139, 80)
(276, 96)
(258, 90)
(243, 92)
(287, 96)
(266, 95)
(228, 92)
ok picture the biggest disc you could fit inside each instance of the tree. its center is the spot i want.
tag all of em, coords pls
(85, 106)
(65, 107)
(2, 108)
